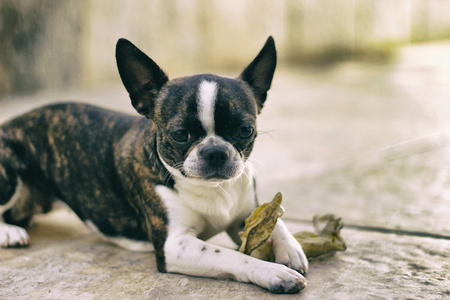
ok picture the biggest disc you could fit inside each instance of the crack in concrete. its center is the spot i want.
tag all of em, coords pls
(382, 230)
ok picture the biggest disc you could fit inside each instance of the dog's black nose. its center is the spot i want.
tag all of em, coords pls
(215, 155)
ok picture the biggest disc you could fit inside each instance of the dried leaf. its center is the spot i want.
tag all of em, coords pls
(327, 239)
(260, 224)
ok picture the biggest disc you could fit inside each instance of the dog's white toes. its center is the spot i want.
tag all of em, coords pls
(13, 236)
(292, 256)
(280, 279)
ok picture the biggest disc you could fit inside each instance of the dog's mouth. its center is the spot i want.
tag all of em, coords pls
(213, 161)
(210, 177)
(218, 177)
(206, 173)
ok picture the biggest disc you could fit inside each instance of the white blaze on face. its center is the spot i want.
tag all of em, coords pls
(206, 101)
(195, 166)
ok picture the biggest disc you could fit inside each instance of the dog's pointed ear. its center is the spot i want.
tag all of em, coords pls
(259, 73)
(140, 75)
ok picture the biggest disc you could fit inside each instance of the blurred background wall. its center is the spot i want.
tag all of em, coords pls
(55, 44)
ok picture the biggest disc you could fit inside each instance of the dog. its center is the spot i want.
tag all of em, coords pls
(165, 181)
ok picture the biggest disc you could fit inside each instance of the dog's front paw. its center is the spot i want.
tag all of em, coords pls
(279, 279)
(13, 236)
(289, 252)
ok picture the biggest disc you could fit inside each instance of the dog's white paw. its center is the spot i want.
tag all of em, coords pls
(279, 279)
(289, 252)
(13, 236)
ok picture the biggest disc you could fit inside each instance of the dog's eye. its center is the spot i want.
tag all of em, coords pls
(180, 136)
(245, 132)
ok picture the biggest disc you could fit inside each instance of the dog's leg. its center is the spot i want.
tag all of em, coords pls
(186, 254)
(287, 250)
(129, 244)
(11, 191)
(10, 235)
(13, 236)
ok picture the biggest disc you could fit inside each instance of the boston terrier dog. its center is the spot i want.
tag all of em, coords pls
(165, 182)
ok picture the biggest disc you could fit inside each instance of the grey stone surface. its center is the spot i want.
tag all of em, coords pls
(367, 142)
(66, 261)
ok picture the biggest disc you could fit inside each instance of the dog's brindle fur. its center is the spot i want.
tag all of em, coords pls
(121, 174)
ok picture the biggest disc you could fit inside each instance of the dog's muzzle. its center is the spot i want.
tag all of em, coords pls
(213, 160)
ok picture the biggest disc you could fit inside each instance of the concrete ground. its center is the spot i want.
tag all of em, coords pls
(368, 142)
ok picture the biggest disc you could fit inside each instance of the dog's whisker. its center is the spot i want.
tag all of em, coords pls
(246, 175)
(178, 166)
(221, 187)
(254, 160)
(168, 175)
(260, 132)
(254, 170)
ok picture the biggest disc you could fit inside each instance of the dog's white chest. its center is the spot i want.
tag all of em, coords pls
(209, 209)
(218, 206)
(221, 205)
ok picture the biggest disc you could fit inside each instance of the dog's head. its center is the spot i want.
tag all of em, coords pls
(206, 124)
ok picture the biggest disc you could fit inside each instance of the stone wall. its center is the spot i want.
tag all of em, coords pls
(52, 44)
(39, 45)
